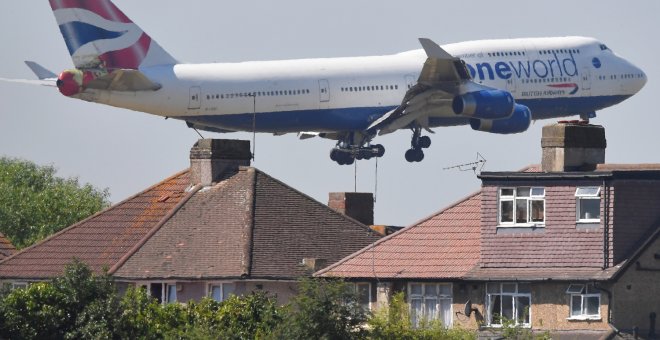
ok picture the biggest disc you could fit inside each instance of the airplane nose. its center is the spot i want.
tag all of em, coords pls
(641, 79)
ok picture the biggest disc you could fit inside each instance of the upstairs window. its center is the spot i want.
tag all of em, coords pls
(587, 201)
(585, 301)
(522, 206)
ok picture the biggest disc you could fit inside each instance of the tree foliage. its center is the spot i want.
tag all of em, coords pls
(324, 309)
(82, 305)
(35, 203)
(393, 323)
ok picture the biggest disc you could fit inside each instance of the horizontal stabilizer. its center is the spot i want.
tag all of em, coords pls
(41, 72)
(45, 82)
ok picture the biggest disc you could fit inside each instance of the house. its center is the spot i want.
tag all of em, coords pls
(216, 229)
(6, 248)
(570, 247)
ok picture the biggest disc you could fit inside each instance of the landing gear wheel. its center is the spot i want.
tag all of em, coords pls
(335, 154)
(424, 142)
(414, 155)
(380, 150)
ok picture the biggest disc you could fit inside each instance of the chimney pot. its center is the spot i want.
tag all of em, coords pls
(211, 159)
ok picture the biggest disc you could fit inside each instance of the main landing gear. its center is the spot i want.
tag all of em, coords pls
(348, 155)
(418, 142)
(354, 146)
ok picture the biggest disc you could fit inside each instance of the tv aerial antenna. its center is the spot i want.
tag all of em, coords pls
(475, 166)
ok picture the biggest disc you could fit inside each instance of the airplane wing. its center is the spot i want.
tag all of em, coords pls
(438, 84)
(45, 82)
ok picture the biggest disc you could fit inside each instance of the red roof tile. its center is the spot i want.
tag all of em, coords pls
(446, 245)
(101, 240)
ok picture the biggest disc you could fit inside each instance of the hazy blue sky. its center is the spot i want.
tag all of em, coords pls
(129, 151)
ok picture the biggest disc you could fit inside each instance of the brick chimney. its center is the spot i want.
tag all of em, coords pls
(572, 147)
(358, 205)
(210, 159)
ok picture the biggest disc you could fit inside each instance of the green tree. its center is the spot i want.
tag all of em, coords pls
(35, 203)
(77, 305)
(323, 309)
(393, 323)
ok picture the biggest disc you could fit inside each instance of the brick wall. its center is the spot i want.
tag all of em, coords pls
(636, 293)
(636, 212)
(559, 244)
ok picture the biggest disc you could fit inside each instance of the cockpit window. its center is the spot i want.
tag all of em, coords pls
(603, 47)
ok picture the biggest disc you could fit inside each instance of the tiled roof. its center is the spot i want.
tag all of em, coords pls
(6, 248)
(102, 240)
(249, 225)
(443, 246)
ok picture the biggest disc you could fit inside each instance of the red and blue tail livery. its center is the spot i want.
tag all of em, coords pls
(495, 86)
(99, 35)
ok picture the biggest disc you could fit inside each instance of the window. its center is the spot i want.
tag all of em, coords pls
(430, 301)
(587, 204)
(18, 285)
(171, 293)
(585, 301)
(523, 205)
(508, 301)
(221, 291)
(362, 291)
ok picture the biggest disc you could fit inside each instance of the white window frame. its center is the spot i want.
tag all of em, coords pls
(355, 288)
(579, 197)
(221, 284)
(163, 289)
(19, 285)
(584, 291)
(513, 199)
(513, 296)
(438, 297)
(167, 287)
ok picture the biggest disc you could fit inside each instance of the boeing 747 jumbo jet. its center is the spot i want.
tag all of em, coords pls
(497, 86)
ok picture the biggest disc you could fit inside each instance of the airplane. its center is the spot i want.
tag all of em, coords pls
(496, 86)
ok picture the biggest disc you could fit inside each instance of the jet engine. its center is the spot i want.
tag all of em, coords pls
(485, 104)
(72, 82)
(518, 122)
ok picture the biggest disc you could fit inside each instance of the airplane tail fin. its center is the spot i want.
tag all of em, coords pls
(99, 35)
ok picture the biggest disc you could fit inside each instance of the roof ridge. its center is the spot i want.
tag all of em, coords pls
(111, 207)
(153, 230)
(344, 216)
(386, 238)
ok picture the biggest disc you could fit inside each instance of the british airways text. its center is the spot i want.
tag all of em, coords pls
(549, 68)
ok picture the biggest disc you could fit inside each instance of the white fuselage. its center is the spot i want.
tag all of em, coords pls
(554, 77)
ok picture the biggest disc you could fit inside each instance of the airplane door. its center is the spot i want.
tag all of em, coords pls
(324, 90)
(586, 81)
(195, 98)
(410, 81)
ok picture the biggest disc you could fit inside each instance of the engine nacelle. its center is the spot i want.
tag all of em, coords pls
(72, 82)
(485, 104)
(518, 122)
